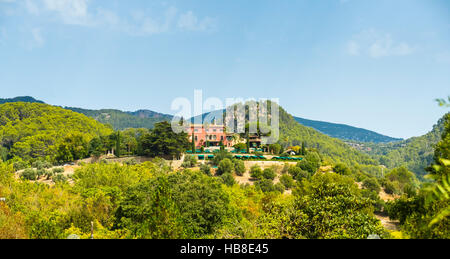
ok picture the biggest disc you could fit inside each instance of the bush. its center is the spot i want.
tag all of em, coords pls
(342, 169)
(58, 170)
(269, 173)
(239, 167)
(131, 161)
(371, 184)
(221, 155)
(256, 172)
(392, 187)
(59, 178)
(41, 165)
(29, 174)
(240, 146)
(266, 185)
(19, 165)
(206, 169)
(228, 179)
(298, 174)
(287, 181)
(41, 172)
(48, 174)
(189, 161)
(311, 163)
(275, 149)
(225, 167)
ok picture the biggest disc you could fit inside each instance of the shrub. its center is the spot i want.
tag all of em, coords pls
(256, 172)
(371, 184)
(29, 174)
(342, 169)
(225, 167)
(59, 178)
(221, 155)
(189, 161)
(239, 167)
(269, 173)
(266, 185)
(228, 179)
(131, 161)
(392, 187)
(19, 165)
(41, 172)
(206, 169)
(58, 170)
(287, 181)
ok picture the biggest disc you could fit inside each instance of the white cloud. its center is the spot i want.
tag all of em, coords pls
(138, 23)
(71, 11)
(377, 45)
(31, 7)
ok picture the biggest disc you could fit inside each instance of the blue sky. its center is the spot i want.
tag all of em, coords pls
(373, 64)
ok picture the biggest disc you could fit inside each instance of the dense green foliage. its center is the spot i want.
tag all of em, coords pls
(426, 214)
(35, 130)
(120, 120)
(293, 134)
(346, 132)
(415, 153)
(163, 142)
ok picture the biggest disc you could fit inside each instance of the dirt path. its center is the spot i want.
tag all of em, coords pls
(387, 223)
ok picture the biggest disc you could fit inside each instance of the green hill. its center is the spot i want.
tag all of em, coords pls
(293, 133)
(346, 132)
(120, 120)
(25, 99)
(415, 153)
(32, 130)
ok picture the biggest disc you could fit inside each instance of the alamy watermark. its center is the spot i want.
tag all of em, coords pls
(237, 115)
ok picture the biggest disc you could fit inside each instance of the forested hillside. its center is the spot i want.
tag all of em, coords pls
(293, 133)
(346, 132)
(35, 130)
(120, 120)
(414, 153)
(25, 99)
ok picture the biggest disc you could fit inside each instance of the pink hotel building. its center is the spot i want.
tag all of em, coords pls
(211, 135)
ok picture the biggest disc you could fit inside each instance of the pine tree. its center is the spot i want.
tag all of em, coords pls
(193, 143)
(248, 142)
(118, 144)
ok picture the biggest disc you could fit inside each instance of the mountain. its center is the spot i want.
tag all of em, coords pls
(25, 99)
(36, 130)
(151, 114)
(293, 133)
(121, 120)
(346, 132)
(415, 153)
